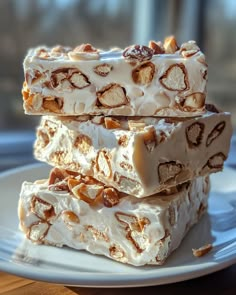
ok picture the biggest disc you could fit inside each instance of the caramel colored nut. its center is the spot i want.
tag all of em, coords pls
(38, 231)
(69, 78)
(79, 80)
(175, 78)
(202, 250)
(132, 221)
(170, 45)
(85, 47)
(89, 193)
(103, 164)
(69, 217)
(126, 166)
(157, 47)
(117, 253)
(168, 171)
(144, 73)
(52, 104)
(123, 141)
(216, 161)
(110, 197)
(111, 123)
(215, 132)
(138, 53)
(103, 69)
(43, 138)
(57, 175)
(113, 95)
(134, 227)
(83, 143)
(42, 209)
(194, 101)
(194, 134)
(189, 49)
(124, 182)
(150, 139)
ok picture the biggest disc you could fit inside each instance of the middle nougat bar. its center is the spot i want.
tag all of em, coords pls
(139, 156)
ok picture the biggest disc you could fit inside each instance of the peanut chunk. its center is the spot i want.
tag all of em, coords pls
(144, 73)
(202, 250)
(112, 95)
(175, 78)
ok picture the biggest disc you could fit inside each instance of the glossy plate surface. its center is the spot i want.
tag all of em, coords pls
(78, 268)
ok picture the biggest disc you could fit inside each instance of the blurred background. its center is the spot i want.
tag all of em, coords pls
(106, 23)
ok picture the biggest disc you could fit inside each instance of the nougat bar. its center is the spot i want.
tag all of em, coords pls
(69, 211)
(139, 156)
(154, 80)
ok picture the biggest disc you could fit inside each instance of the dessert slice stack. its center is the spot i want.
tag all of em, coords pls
(132, 143)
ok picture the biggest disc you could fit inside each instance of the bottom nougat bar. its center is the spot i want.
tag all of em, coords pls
(77, 211)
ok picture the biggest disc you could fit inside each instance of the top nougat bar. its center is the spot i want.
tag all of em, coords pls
(155, 80)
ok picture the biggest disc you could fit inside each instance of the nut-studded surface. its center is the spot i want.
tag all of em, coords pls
(131, 231)
(136, 155)
(86, 80)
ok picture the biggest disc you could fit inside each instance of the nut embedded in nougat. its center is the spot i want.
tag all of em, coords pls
(168, 171)
(112, 95)
(215, 132)
(194, 134)
(144, 73)
(175, 78)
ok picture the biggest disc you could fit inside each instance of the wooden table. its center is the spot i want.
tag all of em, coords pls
(221, 282)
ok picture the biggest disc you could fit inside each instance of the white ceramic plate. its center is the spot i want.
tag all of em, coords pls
(78, 268)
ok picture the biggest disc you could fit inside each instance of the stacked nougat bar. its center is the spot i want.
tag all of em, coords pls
(132, 143)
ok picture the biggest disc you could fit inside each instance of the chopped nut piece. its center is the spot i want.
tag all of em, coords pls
(83, 143)
(123, 140)
(194, 134)
(38, 231)
(103, 164)
(111, 123)
(89, 193)
(53, 104)
(42, 209)
(110, 197)
(175, 78)
(157, 47)
(126, 166)
(168, 171)
(103, 69)
(117, 253)
(215, 132)
(138, 53)
(150, 139)
(144, 73)
(113, 95)
(216, 161)
(85, 48)
(79, 80)
(189, 48)
(170, 45)
(194, 101)
(70, 217)
(202, 250)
